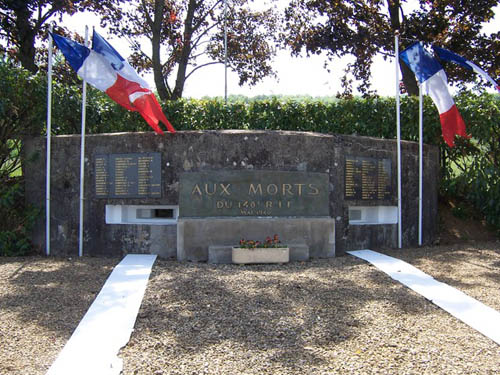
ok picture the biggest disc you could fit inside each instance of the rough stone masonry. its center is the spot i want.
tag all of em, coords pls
(352, 184)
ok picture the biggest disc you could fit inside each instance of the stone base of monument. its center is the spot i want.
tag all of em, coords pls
(223, 254)
(211, 239)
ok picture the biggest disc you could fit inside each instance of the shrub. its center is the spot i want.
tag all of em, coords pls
(15, 228)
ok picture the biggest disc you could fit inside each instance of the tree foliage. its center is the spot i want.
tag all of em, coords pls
(21, 113)
(25, 22)
(186, 35)
(473, 169)
(364, 28)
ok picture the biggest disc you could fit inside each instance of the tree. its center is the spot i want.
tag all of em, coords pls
(187, 35)
(24, 21)
(364, 28)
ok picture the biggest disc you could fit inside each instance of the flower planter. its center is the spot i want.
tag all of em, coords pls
(261, 255)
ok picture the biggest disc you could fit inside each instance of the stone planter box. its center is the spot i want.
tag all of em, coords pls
(260, 255)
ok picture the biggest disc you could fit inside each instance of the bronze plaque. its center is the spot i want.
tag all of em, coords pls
(253, 193)
(367, 178)
(136, 175)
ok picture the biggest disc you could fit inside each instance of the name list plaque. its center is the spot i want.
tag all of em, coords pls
(367, 178)
(134, 175)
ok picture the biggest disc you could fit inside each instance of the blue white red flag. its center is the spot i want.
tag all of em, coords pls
(433, 79)
(446, 55)
(105, 69)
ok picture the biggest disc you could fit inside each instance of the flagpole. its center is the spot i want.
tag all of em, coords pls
(420, 161)
(398, 127)
(49, 131)
(82, 154)
(225, 51)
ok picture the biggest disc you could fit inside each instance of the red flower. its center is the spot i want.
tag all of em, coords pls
(173, 16)
(269, 242)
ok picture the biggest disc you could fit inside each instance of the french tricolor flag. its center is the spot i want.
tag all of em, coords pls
(434, 83)
(446, 55)
(105, 69)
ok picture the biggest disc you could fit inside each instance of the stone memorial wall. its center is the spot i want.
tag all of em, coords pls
(179, 194)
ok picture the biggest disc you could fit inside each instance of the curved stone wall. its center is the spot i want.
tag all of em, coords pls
(361, 175)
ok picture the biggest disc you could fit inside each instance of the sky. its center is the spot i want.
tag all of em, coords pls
(295, 76)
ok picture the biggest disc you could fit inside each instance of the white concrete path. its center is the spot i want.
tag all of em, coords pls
(106, 327)
(470, 311)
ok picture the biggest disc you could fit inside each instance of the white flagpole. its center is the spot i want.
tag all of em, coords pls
(82, 154)
(49, 131)
(225, 51)
(420, 161)
(398, 124)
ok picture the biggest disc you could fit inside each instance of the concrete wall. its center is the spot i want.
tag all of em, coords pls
(195, 236)
(191, 151)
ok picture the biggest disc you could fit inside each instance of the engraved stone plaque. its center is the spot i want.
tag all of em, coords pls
(133, 175)
(253, 193)
(367, 178)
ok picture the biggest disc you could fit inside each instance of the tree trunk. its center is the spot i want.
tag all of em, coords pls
(409, 79)
(393, 6)
(161, 86)
(26, 39)
(408, 76)
(186, 51)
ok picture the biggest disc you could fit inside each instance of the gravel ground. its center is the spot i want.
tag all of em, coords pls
(321, 317)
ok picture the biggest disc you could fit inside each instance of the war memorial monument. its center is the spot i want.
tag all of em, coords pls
(192, 195)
